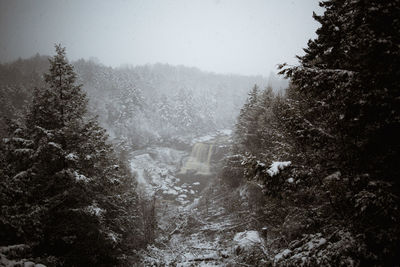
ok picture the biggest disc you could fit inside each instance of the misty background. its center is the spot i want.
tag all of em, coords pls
(241, 37)
(155, 70)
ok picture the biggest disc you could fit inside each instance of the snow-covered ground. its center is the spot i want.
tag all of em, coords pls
(156, 170)
(210, 137)
(195, 228)
(203, 234)
(9, 253)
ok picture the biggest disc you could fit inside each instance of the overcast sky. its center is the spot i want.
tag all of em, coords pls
(223, 36)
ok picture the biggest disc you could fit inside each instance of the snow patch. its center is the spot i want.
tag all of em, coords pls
(21, 175)
(203, 139)
(225, 131)
(72, 157)
(282, 255)
(248, 239)
(113, 237)
(80, 177)
(170, 191)
(94, 209)
(277, 166)
(23, 151)
(58, 146)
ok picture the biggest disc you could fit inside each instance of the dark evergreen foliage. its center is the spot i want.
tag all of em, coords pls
(63, 190)
(338, 124)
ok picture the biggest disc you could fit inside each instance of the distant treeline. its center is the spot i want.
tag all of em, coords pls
(144, 104)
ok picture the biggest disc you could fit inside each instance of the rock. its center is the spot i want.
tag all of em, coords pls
(29, 264)
(333, 177)
(247, 240)
(40, 265)
(250, 247)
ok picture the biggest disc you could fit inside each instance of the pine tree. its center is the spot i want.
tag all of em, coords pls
(76, 199)
(273, 140)
(344, 115)
(347, 75)
(165, 116)
(184, 111)
(62, 101)
(247, 125)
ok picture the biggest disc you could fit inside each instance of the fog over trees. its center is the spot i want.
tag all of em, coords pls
(224, 154)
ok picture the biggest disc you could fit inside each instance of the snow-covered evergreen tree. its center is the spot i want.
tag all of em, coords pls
(344, 114)
(246, 126)
(66, 193)
(347, 75)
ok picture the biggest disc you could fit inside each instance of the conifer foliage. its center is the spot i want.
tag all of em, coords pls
(338, 125)
(348, 73)
(63, 191)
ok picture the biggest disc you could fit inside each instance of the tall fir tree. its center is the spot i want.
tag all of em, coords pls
(67, 194)
(344, 113)
(348, 78)
(246, 127)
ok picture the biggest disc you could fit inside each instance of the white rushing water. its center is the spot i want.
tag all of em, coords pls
(199, 160)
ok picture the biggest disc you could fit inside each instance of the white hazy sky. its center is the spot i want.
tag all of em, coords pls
(224, 36)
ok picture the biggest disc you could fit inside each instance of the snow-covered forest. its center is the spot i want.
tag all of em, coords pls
(169, 165)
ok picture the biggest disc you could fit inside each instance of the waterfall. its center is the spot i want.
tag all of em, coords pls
(199, 159)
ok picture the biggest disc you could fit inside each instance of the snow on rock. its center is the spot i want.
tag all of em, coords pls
(72, 157)
(166, 155)
(80, 177)
(14, 255)
(311, 249)
(277, 166)
(249, 244)
(149, 172)
(282, 255)
(203, 139)
(170, 191)
(154, 169)
(192, 205)
(225, 132)
(210, 137)
(58, 146)
(248, 239)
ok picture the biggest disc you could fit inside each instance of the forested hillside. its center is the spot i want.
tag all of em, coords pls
(65, 181)
(158, 103)
(141, 105)
(64, 194)
(162, 165)
(326, 153)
